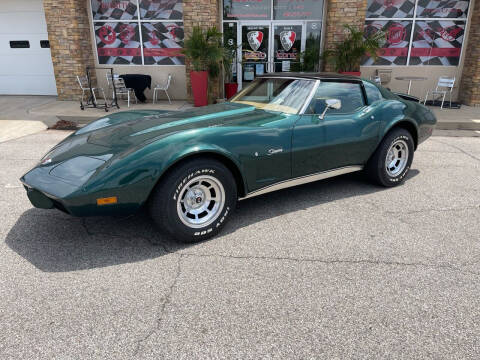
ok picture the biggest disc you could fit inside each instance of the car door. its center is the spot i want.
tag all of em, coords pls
(344, 137)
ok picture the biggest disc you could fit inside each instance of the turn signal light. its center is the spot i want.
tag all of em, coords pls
(107, 201)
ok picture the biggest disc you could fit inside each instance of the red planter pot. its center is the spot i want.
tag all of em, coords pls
(230, 90)
(354, 73)
(199, 81)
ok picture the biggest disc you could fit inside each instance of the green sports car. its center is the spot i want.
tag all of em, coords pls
(190, 167)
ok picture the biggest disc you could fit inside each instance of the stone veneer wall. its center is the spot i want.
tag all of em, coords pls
(204, 13)
(70, 42)
(470, 84)
(351, 12)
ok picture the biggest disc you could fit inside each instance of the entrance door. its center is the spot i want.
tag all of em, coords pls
(269, 46)
(288, 43)
(255, 50)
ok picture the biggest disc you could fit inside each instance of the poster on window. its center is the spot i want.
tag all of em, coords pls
(118, 43)
(247, 9)
(395, 49)
(287, 42)
(297, 9)
(442, 9)
(390, 8)
(161, 9)
(163, 43)
(114, 9)
(437, 43)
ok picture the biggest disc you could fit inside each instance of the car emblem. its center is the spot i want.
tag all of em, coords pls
(255, 39)
(287, 38)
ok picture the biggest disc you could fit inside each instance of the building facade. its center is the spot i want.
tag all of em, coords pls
(429, 38)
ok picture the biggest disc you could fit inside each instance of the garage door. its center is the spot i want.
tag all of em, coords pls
(25, 61)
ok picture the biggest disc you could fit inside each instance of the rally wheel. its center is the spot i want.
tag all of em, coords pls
(194, 200)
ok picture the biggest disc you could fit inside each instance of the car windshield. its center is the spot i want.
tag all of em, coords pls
(284, 95)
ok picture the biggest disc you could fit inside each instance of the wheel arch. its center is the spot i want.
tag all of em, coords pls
(226, 160)
(406, 124)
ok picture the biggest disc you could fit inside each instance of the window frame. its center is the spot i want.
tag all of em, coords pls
(362, 91)
(413, 20)
(139, 21)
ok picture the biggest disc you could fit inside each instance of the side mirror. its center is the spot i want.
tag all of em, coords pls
(331, 104)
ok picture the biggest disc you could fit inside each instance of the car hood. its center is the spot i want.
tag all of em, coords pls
(118, 132)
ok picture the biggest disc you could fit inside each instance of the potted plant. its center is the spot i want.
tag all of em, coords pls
(347, 55)
(229, 62)
(205, 51)
(308, 61)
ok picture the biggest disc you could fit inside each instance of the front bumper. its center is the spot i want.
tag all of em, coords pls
(46, 191)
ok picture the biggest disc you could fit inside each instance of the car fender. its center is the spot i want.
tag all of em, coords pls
(395, 122)
(206, 150)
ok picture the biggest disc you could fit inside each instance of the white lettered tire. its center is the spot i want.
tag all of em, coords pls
(390, 163)
(194, 201)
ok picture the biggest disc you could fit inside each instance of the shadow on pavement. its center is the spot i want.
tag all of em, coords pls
(56, 242)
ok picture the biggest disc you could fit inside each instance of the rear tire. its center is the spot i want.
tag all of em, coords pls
(391, 162)
(194, 200)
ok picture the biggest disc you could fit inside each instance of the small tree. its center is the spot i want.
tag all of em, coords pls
(204, 49)
(347, 55)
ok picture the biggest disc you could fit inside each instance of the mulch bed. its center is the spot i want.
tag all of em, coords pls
(64, 125)
(446, 104)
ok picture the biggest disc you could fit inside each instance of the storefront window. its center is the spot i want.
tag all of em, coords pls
(437, 36)
(247, 9)
(138, 32)
(297, 9)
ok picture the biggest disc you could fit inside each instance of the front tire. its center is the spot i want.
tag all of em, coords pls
(391, 162)
(194, 200)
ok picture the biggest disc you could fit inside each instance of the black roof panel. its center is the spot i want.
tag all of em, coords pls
(315, 76)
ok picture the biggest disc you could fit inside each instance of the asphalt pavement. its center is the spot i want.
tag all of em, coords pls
(338, 269)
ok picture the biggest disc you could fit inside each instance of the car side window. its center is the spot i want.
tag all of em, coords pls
(350, 94)
(373, 94)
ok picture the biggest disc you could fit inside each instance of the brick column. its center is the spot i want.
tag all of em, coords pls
(339, 13)
(203, 13)
(470, 84)
(70, 41)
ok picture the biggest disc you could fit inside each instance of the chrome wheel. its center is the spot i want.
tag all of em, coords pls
(397, 158)
(201, 201)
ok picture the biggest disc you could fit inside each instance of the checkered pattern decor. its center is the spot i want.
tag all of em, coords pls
(390, 8)
(117, 25)
(114, 9)
(161, 42)
(161, 10)
(437, 42)
(438, 31)
(395, 49)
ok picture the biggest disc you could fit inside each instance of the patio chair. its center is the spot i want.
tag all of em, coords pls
(444, 86)
(376, 79)
(83, 82)
(163, 87)
(120, 88)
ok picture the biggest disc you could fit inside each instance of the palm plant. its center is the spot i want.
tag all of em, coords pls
(204, 49)
(347, 55)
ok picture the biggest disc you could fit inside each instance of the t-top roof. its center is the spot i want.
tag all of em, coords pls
(315, 76)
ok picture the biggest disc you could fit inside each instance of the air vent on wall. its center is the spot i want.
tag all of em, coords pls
(19, 44)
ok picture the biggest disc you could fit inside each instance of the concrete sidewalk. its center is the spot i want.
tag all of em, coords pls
(465, 118)
(70, 110)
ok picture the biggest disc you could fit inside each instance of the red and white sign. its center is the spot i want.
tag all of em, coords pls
(287, 38)
(255, 39)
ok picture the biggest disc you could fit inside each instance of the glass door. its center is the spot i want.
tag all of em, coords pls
(288, 43)
(255, 51)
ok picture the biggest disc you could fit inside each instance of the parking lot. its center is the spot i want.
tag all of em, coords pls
(334, 269)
